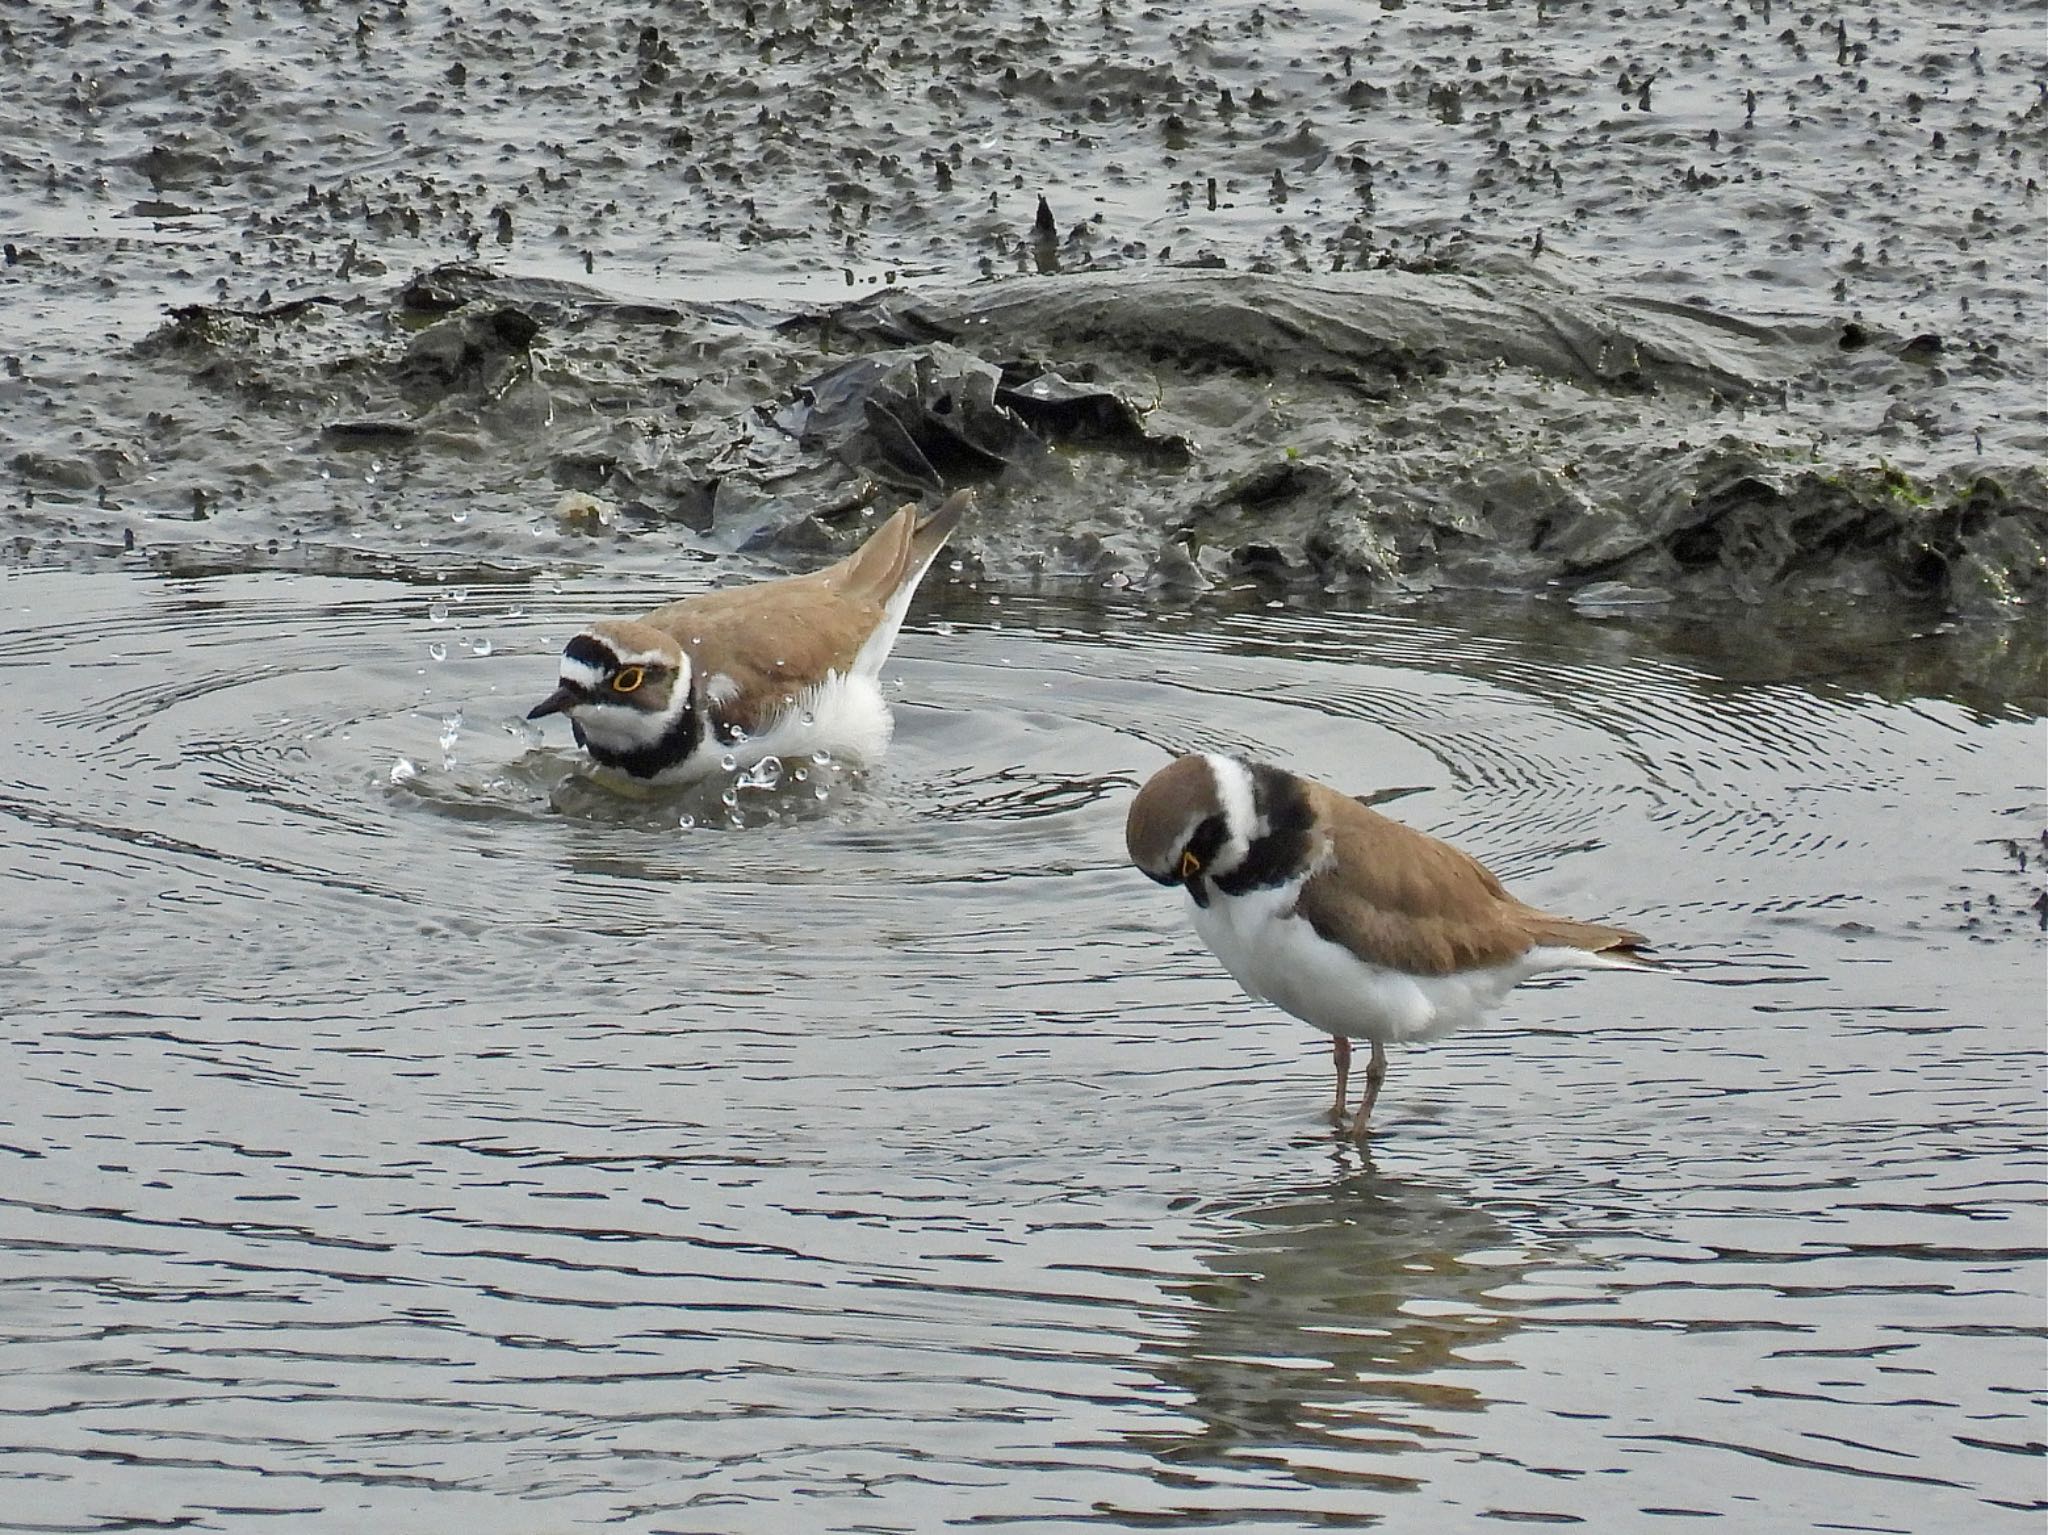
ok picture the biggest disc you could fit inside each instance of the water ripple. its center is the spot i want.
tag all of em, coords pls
(490, 1138)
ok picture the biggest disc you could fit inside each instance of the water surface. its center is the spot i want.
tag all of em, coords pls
(408, 1131)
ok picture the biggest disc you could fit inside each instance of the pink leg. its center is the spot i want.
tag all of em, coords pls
(1375, 1074)
(1340, 1052)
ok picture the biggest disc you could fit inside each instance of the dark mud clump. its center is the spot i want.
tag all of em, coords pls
(1381, 429)
(1416, 429)
(1660, 305)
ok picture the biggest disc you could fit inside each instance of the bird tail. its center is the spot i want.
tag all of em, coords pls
(1624, 956)
(930, 535)
(893, 562)
(1610, 948)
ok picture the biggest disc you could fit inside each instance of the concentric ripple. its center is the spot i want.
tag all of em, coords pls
(411, 1127)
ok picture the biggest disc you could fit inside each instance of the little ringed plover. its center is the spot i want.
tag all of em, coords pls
(775, 668)
(1354, 923)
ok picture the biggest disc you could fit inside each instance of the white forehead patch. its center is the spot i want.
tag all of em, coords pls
(581, 674)
(1241, 821)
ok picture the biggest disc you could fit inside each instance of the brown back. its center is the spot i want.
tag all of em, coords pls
(1401, 898)
(776, 638)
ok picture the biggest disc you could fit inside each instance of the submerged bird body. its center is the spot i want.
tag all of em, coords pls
(1352, 922)
(777, 668)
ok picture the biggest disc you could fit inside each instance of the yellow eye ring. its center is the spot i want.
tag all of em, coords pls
(628, 680)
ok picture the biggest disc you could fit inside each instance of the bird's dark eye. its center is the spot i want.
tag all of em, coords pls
(628, 680)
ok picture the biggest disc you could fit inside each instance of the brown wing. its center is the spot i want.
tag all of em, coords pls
(1399, 897)
(1596, 937)
(775, 638)
(753, 649)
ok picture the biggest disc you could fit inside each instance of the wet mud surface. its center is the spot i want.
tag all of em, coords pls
(1694, 301)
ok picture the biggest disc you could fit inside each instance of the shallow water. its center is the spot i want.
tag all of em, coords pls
(415, 1149)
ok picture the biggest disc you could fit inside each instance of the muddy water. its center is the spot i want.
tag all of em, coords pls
(407, 1132)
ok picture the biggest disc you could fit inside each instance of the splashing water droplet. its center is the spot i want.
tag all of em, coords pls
(459, 518)
(818, 793)
(687, 821)
(480, 647)
(438, 651)
(809, 719)
(823, 759)
(451, 731)
(437, 612)
(728, 762)
(765, 774)
(403, 771)
(730, 799)
(802, 775)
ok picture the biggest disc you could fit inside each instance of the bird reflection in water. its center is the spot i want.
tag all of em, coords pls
(1336, 1330)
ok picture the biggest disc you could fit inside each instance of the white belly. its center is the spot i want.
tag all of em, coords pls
(1277, 957)
(846, 718)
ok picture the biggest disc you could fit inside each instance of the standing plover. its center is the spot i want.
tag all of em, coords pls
(1366, 928)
